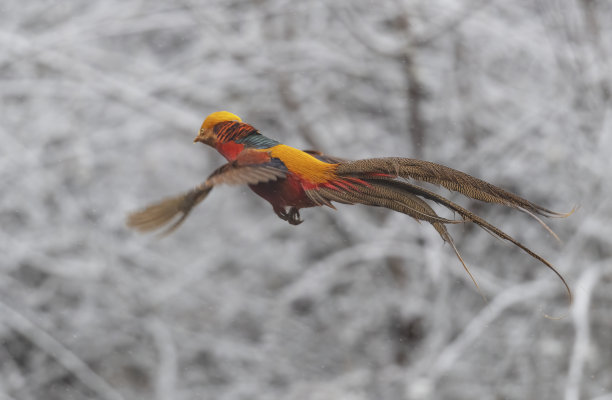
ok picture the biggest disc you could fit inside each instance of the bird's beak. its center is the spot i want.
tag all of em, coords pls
(205, 138)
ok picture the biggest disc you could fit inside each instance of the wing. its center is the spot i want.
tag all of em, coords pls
(238, 172)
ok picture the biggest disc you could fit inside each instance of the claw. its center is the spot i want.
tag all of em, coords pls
(282, 213)
(294, 216)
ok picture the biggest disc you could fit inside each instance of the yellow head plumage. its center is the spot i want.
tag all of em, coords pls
(219, 116)
(206, 134)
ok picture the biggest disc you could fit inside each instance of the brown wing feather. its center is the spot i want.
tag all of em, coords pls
(159, 214)
(236, 174)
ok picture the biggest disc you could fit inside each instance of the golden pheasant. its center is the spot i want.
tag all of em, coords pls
(291, 179)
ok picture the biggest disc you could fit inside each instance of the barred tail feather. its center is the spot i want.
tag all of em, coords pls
(377, 193)
(469, 216)
(449, 178)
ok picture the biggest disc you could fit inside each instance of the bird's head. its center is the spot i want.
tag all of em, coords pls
(207, 134)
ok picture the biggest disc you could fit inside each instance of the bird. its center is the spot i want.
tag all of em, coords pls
(291, 179)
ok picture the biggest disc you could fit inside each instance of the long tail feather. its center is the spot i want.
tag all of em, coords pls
(449, 239)
(380, 196)
(470, 216)
(449, 178)
(377, 193)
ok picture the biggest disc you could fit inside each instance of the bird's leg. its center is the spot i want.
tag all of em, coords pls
(294, 216)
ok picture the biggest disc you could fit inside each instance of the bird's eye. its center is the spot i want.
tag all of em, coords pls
(201, 131)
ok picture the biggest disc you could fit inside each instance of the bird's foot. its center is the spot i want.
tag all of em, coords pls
(294, 216)
(282, 213)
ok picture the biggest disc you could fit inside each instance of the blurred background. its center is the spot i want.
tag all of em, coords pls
(100, 102)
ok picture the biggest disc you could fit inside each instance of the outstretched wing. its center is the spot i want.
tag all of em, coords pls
(238, 172)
